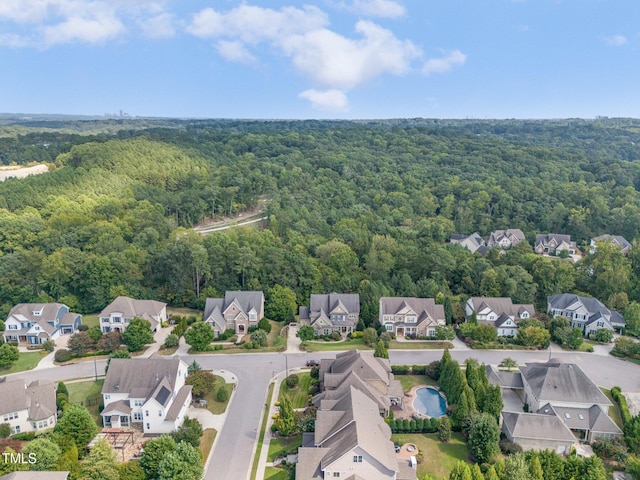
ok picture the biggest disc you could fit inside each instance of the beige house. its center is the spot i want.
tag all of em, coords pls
(237, 311)
(333, 312)
(28, 408)
(505, 239)
(554, 243)
(119, 313)
(499, 312)
(406, 316)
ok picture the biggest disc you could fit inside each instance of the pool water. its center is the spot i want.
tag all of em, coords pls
(429, 402)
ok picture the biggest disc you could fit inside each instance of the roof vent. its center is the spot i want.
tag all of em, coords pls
(580, 416)
(567, 416)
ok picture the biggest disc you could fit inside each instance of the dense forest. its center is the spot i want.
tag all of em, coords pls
(363, 207)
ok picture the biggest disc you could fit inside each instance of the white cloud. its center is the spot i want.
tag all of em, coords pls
(95, 29)
(333, 100)
(159, 26)
(375, 8)
(615, 40)
(234, 51)
(442, 65)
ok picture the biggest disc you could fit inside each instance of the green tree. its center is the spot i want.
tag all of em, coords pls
(202, 382)
(46, 453)
(110, 341)
(95, 333)
(444, 430)
(77, 423)
(282, 305)
(101, 463)
(154, 451)
(172, 340)
(445, 332)
(199, 336)
(190, 431)
(68, 461)
(258, 337)
(137, 334)
(370, 337)
(8, 355)
(194, 367)
(633, 466)
(286, 423)
(80, 343)
(631, 431)
(116, 354)
(516, 467)
(491, 474)
(130, 470)
(476, 473)
(448, 310)
(183, 463)
(306, 332)
(535, 468)
(461, 471)
(508, 363)
(484, 438)
(381, 351)
(532, 336)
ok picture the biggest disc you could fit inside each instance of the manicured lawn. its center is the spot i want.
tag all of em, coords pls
(417, 345)
(318, 346)
(275, 342)
(256, 458)
(279, 445)
(214, 406)
(297, 395)
(439, 458)
(26, 361)
(87, 394)
(206, 442)
(410, 381)
(614, 409)
(91, 320)
(273, 473)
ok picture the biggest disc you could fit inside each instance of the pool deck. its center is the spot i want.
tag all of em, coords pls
(409, 410)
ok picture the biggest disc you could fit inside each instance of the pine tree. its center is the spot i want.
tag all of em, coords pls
(461, 471)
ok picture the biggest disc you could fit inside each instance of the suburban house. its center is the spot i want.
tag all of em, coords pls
(406, 316)
(333, 312)
(586, 313)
(566, 406)
(150, 392)
(554, 243)
(118, 314)
(351, 441)
(505, 239)
(35, 323)
(474, 242)
(28, 408)
(237, 311)
(616, 240)
(499, 312)
(371, 375)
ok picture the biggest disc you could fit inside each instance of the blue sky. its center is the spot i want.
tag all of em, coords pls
(322, 58)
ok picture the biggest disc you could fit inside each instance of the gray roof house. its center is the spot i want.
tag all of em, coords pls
(411, 316)
(238, 311)
(361, 370)
(586, 313)
(118, 314)
(553, 243)
(351, 441)
(28, 408)
(617, 241)
(333, 312)
(505, 238)
(35, 323)
(534, 431)
(499, 312)
(474, 242)
(149, 391)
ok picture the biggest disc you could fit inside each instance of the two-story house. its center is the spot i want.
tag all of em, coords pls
(333, 312)
(35, 323)
(28, 408)
(554, 243)
(406, 316)
(617, 241)
(351, 441)
(118, 314)
(499, 312)
(149, 391)
(474, 242)
(237, 311)
(505, 239)
(588, 314)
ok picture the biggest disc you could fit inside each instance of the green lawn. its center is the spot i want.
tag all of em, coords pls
(318, 346)
(256, 458)
(87, 394)
(438, 458)
(614, 409)
(298, 395)
(206, 442)
(410, 381)
(279, 446)
(275, 342)
(185, 312)
(26, 361)
(273, 473)
(91, 320)
(214, 406)
(417, 345)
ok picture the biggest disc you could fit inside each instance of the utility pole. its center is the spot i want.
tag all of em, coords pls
(95, 368)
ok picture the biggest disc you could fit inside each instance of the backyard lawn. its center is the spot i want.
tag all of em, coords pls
(87, 394)
(297, 395)
(91, 320)
(26, 361)
(410, 381)
(439, 458)
(278, 446)
(185, 312)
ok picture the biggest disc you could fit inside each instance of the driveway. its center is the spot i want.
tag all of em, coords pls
(293, 342)
(158, 340)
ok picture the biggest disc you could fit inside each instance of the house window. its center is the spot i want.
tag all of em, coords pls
(525, 314)
(411, 319)
(146, 413)
(357, 458)
(352, 316)
(148, 426)
(117, 319)
(600, 324)
(388, 327)
(137, 416)
(252, 317)
(107, 397)
(159, 413)
(138, 403)
(336, 474)
(13, 327)
(10, 416)
(326, 331)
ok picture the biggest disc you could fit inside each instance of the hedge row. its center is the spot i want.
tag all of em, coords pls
(409, 369)
(616, 393)
(417, 425)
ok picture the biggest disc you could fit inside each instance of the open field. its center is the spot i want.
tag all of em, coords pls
(439, 457)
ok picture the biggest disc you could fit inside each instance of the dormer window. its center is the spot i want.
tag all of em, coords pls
(37, 313)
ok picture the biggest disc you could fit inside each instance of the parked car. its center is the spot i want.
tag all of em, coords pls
(312, 363)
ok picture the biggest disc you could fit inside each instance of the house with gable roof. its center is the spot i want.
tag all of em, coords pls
(35, 323)
(505, 239)
(237, 311)
(149, 391)
(351, 441)
(28, 408)
(587, 313)
(554, 243)
(499, 312)
(474, 242)
(118, 314)
(406, 316)
(333, 312)
(617, 241)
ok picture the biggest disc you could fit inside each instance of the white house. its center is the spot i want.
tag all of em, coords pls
(118, 314)
(586, 313)
(411, 316)
(149, 391)
(28, 408)
(499, 312)
(35, 323)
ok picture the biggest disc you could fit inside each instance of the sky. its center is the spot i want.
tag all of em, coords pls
(339, 59)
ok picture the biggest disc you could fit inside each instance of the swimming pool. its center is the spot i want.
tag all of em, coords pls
(429, 402)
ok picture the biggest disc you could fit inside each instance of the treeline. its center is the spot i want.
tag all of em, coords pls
(353, 207)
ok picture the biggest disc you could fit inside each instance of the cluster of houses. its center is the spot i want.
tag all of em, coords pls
(351, 438)
(545, 243)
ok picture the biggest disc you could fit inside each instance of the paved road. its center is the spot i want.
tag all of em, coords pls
(236, 442)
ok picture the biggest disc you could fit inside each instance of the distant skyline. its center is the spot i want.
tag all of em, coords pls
(342, 59)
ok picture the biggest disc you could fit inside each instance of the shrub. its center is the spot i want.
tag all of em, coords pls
(336, 336)
(264, 325)
(292, 380)
(355, 335)
(508, 447)
(172, 340)
(444, 430)
(259, 337)
(222, 395)
(315, 372)
(5, 430)
(24, 436)
(49, 345)
(62, 400)
(620, 399)
(400, 369)
(83, 328)
(419, 369)
(62, 355)
(433, 370)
